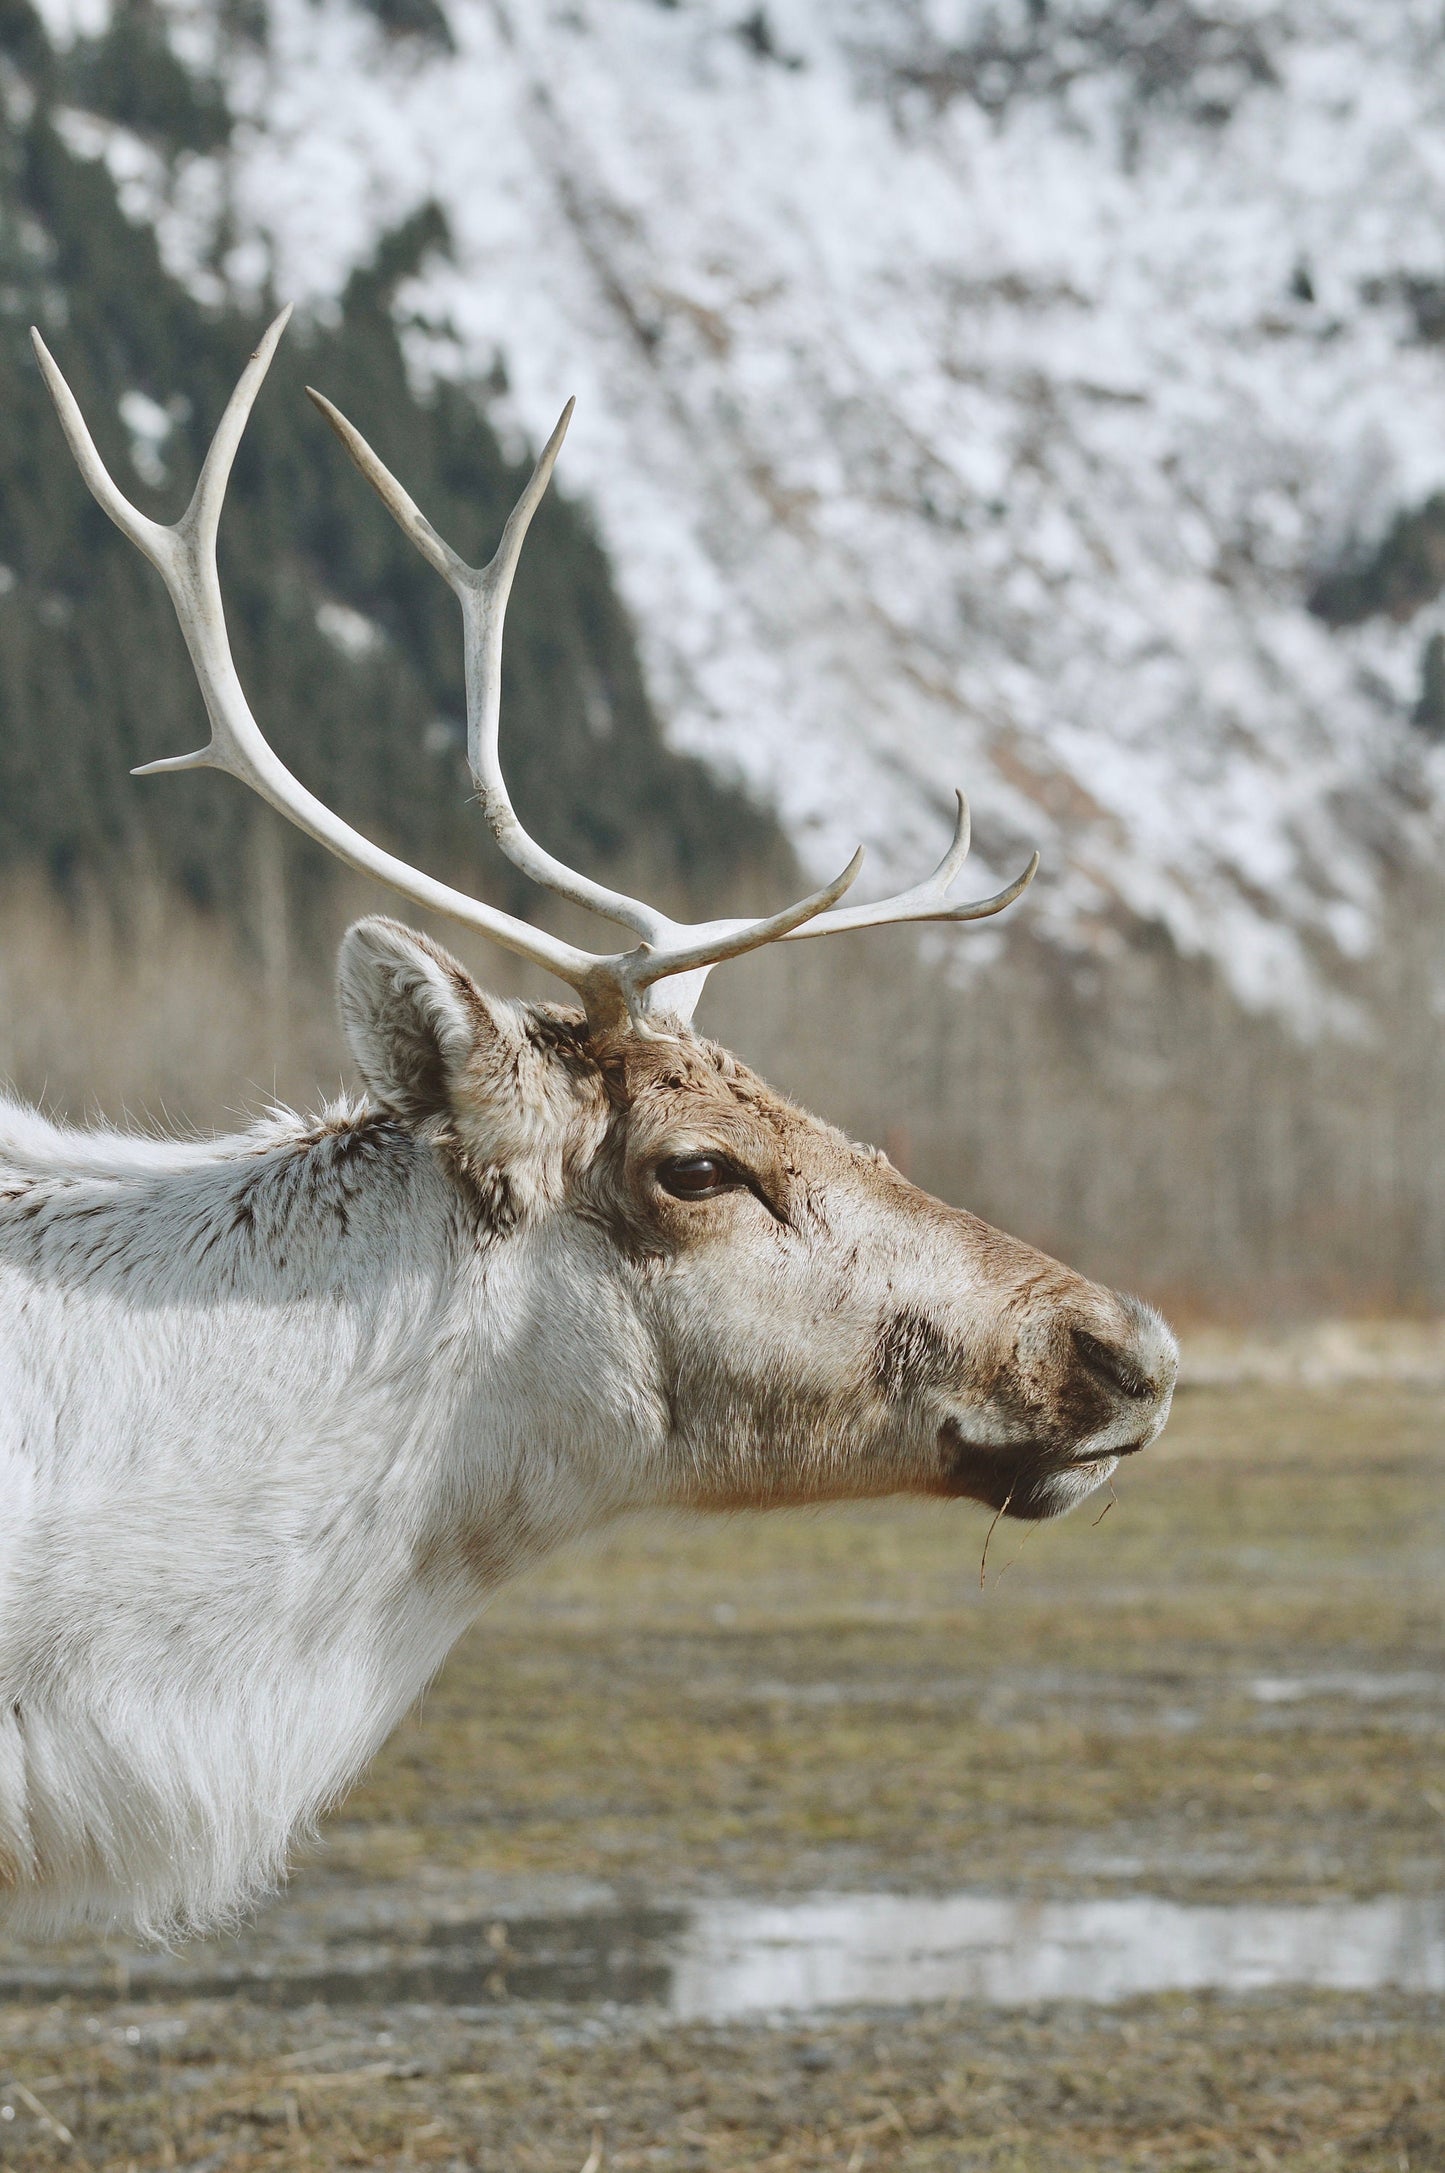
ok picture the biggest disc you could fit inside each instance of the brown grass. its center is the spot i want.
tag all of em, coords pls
(1183, 2085)
(772, 1704)
(1123, 1113)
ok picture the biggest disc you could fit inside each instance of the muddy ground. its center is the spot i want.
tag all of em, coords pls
(1231, 1688)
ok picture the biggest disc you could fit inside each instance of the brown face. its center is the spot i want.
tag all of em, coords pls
(822, 1329)
(723, 1302)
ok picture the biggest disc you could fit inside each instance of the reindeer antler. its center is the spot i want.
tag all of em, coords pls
(613, 988)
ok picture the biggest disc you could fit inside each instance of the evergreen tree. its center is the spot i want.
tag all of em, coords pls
(1430, 708)
(349, 647)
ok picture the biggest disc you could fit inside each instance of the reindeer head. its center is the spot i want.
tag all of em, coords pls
(788, 1318)
(765, 1311)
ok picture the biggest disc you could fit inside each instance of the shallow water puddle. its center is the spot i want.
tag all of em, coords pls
(1367, 1688)
(896, 1950)
(719, 1960)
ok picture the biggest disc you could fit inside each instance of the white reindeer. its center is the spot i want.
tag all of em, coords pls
(277, 1412)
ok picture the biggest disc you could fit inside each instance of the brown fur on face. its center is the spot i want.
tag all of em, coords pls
(823, 1329)
(816, 1328)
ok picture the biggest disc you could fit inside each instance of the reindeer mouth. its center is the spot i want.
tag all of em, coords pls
(997, 1472)
(1042, 1456)
(1106, 1456)
(1029, 1478)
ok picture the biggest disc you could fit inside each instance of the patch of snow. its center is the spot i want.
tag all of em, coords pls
(955, 408)
(350, 632)
(149, 427)
(67, 21)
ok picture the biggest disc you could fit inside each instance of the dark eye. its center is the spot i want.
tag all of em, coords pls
(696, 1176)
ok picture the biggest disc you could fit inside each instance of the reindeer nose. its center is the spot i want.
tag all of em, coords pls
(1118, 1367)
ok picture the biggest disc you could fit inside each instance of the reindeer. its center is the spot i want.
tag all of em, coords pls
(281, 1410)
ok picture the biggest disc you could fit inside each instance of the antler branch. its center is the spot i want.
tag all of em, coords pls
(483, 592)
(928, 900)
(185, 556)
(614, 987)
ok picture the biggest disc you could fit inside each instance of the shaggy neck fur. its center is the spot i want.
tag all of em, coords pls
(232, 1548)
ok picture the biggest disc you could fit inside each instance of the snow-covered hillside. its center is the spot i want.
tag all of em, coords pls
(967, 394)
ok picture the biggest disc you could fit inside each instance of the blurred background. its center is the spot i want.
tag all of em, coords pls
(1044, 397)
(1040, 396)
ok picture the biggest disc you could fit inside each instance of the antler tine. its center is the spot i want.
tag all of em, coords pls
(156, 541)
(202, 517)
(399, 503)
(717, 940)
(185, 555)
(928, 900)
(483, 592)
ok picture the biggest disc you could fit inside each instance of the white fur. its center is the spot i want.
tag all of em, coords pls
(219, 1479)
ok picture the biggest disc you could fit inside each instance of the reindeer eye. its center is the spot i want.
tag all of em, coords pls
(696, 1176)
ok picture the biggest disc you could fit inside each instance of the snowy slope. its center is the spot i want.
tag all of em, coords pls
(965, 395)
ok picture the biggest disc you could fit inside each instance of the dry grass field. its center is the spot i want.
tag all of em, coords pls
(1229, 1689)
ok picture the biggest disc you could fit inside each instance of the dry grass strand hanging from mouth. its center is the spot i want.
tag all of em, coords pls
(1001, 1510)
(1113, 1497)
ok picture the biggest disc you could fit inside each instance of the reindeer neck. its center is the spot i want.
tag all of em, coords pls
(246, 1389)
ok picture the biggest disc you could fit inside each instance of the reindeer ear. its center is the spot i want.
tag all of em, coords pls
(430, 1045)
(413, 1017)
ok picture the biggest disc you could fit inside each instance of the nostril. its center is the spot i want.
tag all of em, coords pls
(1114, 1366)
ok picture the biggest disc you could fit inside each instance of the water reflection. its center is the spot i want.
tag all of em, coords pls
(727, 1959)
(888, 1949)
